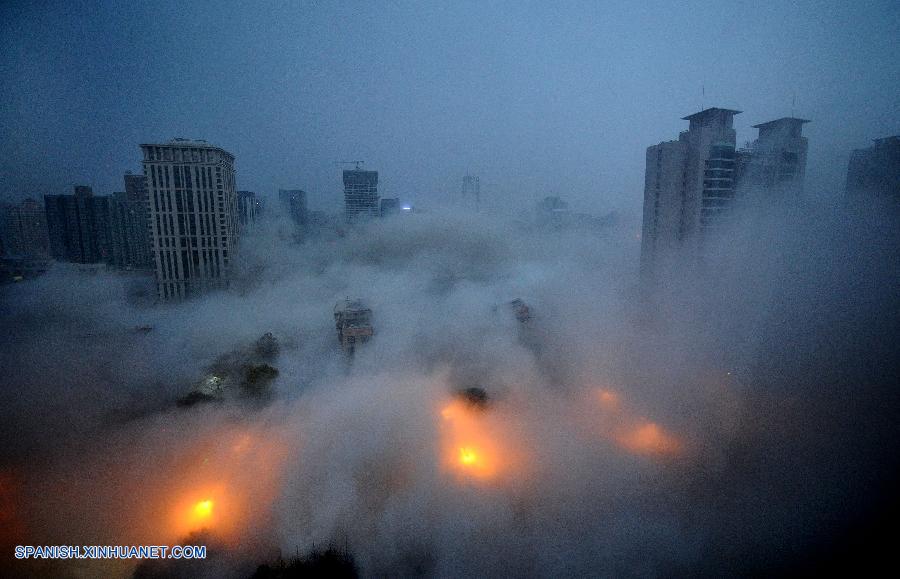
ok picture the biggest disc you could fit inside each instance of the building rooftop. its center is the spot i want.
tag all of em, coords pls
(713, 111)
(180, 142)
(886, 140)
(781, 121)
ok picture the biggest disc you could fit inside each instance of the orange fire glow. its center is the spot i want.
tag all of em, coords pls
(232, 475)
(203, 509)
(618, 421)
(468, 444)
(608, 399)
(649, 438)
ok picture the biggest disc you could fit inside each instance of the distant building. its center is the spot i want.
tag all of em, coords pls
(293, 202)
(775, 163)
(353, 321)
(78, 226)
(130, 225)
(688, 184)
(390, 206)
(248, 208)
(360, 195)
(552, 211)
(23, 230)
(193, 216)
(471, 192)
(876, 169)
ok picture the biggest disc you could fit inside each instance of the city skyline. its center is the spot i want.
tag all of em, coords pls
(581, 130)
(463, 289)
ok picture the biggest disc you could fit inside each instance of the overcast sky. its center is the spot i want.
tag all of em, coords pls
(537, 98)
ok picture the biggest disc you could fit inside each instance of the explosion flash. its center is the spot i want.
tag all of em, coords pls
(203, 509)
(469, 446)
(467, 456)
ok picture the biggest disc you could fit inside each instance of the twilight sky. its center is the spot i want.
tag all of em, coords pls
(537, 98)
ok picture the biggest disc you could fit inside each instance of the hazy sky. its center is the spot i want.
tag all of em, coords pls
(536, 98)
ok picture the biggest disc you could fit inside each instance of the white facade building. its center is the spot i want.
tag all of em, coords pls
(193, 215)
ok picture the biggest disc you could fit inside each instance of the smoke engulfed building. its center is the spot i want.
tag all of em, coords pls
(78, 226)
(193, 215)
(360, 195)
(353, 321)
(249, 207)
(689, 184)
(130, 225)
(876, 169)
(23, 230)
(293, 202)
(390, 206)
(471, 192)
(774, 166)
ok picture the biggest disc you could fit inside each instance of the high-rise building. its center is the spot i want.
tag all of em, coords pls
(552, 211)
(876, 169)
(293, 202)
(360, 195)
(775, 163)
(193, 215)
(78, 226)
(689, 184)
(130, 225)
(248, 209)
(471, 192)
(23, 230)
(390, 206)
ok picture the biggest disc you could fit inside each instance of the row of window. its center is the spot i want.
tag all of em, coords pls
(182, 155)
(192, 264)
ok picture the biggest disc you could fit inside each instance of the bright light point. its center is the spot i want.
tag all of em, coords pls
(467, 456)
(203, 509)
(406, 208)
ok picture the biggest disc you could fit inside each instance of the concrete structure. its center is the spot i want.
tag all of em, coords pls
(360, 195)
(78, 226)
(774, 166)
(688, 185)
(130, 225)
(471, 192)
(353, 321)
(249, 208)
(293, 202)
(193, 215)
(876, 169)
(390, 206)
(23, 230)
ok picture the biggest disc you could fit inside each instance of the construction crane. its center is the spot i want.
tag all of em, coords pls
(357, 163)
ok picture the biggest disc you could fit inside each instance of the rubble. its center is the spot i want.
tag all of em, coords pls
(521, 310)
(246, 373)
